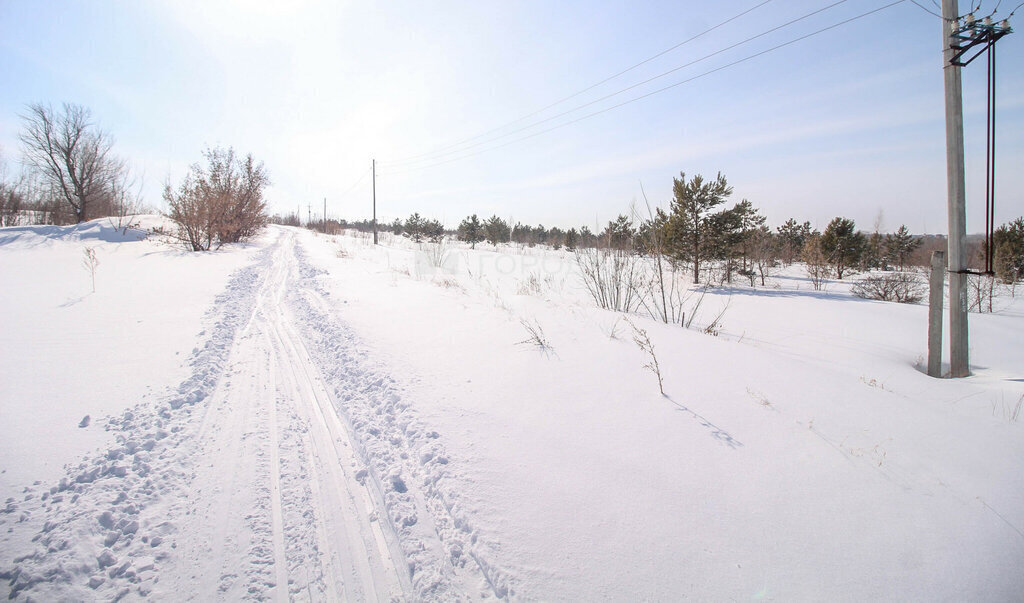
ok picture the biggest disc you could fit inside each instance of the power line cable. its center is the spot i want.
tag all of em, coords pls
(658, 91)
(927, 10)
(587, 89)
(353, 187)
(439, 155)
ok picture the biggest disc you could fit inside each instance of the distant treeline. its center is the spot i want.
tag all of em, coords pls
(699, 230)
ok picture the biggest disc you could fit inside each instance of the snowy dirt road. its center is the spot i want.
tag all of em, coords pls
(286, 466)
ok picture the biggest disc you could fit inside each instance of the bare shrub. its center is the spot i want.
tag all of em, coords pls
(981, 291)
(450, 283)
(666, 293)
(221, 203)
(531, 285)
(901, 287)
(11, 202)
(436, 252)
(125, 203)
(611, 276)
(816, 262)
(764, 254)
(664, 290)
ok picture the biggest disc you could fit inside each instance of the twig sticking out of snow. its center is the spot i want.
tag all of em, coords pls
(90, 262)
(537, 337)
(643, 341)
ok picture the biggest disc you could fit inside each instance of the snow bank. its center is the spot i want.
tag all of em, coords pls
(801, 454)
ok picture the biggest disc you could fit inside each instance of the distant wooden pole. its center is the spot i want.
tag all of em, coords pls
(373, 168)
(935, 296)
(325, 215)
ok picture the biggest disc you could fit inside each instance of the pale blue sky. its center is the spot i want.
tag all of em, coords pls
(849, 122)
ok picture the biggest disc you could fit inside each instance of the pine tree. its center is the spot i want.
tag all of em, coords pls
(1008, 241)
(724, 236)
(414, 227)
(471, 231)
(692, 221)
(556, 236)
(572, 239)
(900, 245)
(842, 245)
(619, 233)
(433, 230)
(792, 238)
(748, 220)
(496, 230)
(876, 252)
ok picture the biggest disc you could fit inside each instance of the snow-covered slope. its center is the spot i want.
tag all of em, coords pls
(315, 417)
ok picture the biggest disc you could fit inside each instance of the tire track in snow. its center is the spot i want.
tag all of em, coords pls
(405, 462)
(290, 525)
(356, 562)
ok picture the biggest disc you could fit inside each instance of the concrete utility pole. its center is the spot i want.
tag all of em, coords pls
(373, 168)
(935, 292)
(959, 364)
(325, 215)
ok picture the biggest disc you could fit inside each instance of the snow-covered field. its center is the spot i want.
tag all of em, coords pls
(313, 417)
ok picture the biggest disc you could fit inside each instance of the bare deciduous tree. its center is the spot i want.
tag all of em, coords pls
(72, 156)
(815, 261)
(11, 198)
(763, 252)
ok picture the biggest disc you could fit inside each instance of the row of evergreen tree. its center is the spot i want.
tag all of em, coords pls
(700, 230)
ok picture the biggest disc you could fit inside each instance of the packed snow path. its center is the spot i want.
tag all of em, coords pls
(309, 526)
(285, 467)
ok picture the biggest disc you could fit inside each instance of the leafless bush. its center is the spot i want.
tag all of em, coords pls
(222, 203)
(530, 286)
(11, 201)
(764, 255)
(643, 341)
(815, 262)
(125, 203)
(449, 283)
(667, 296)
(901, 287)
(436, 252)
(611, 276)
(981, 291)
